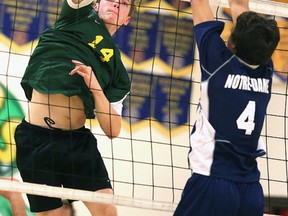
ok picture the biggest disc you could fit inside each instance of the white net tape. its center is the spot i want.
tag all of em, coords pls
(87, 196)
(259, 6)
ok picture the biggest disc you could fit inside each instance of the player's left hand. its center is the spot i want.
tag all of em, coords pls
(87, 74)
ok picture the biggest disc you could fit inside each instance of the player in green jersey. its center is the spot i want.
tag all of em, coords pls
(74, 73)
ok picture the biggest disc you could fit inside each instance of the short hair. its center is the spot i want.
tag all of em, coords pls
(255, 38)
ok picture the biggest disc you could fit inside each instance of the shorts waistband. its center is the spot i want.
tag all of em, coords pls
(53, 130)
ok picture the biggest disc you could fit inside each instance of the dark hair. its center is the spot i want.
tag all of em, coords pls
(255, 38)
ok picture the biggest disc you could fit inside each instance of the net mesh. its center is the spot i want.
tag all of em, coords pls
(147, 163)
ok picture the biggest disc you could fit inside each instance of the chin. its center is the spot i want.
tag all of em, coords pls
(110, 20)
(113, 22)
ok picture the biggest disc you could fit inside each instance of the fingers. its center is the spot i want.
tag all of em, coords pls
(76, 62)
(87, 74)
(80, 68)
(74, 71)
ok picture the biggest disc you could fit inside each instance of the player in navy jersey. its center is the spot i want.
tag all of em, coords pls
(236, 83)
(75, 73)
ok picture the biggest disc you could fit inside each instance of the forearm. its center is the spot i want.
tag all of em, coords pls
(237, 7)
(17, 205)
(16, 201)
(109, 120)
(201, 11)
(79, 1)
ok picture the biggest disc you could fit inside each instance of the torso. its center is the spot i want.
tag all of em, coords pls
(234, 96)
(67, 112)
(48, 72)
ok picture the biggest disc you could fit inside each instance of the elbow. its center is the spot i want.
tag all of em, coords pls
(113, 131)
(111, 127)
(113, 134)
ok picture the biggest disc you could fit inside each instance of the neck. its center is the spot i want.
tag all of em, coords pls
(111, 28)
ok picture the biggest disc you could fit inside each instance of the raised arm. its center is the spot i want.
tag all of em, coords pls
(202, 11)
(237, 7)
(76, 4)
(79, 1)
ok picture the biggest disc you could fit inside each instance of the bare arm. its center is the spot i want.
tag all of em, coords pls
(202, 11)
(17, 204)
(79, 1)
(109, 119)
(16, 201)
(238, 7)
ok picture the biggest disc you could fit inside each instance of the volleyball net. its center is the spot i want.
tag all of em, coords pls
(147, 163)
(275, 8)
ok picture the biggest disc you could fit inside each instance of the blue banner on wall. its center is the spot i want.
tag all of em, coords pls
(164, 38)
(28, 18)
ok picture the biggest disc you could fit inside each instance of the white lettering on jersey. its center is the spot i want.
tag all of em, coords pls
(247, 83)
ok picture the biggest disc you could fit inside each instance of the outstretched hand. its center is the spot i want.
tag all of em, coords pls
(238, 7)
(87, 74)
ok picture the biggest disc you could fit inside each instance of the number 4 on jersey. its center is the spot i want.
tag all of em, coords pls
(246, 119)
(106, 52)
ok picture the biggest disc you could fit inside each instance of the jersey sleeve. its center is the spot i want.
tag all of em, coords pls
(120, 84)
(212, 48)
(71, 12)
(80, 5)
(120, 87)
(118, 106)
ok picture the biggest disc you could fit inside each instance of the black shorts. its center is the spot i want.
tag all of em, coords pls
(58, 158)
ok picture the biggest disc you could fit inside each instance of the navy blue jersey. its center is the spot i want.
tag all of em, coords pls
(225, 140)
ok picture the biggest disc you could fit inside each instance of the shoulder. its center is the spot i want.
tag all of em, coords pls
(208, 31)
(209, 25)
(208, 34)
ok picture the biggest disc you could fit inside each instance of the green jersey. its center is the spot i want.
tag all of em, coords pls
(81, 35)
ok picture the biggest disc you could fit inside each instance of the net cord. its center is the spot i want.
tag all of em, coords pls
(260, 6)
(82, 195)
